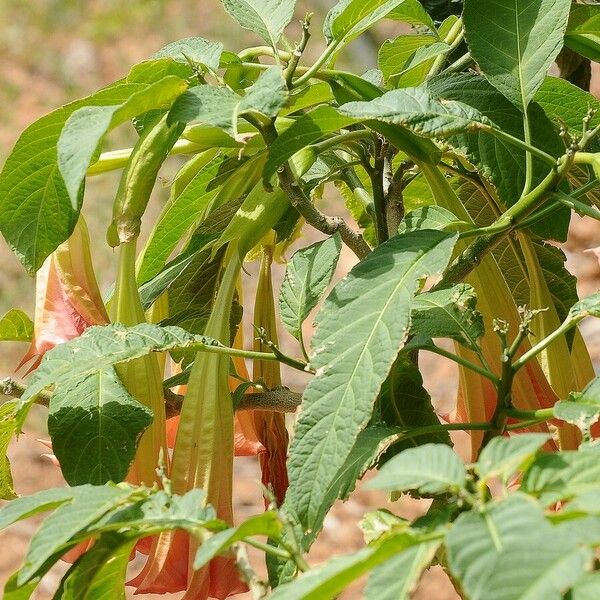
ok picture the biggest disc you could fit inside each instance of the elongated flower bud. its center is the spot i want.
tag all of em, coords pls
(142, 376)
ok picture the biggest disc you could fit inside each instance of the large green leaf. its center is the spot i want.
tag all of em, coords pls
(361, 328)
(327, 581)
(583, 31)
(502, 457)
(582, 408)
(449, 313)
(349, 18)
(497, 160)
(267, 18)
(192, 193)
(404, 403)
(94, 427)
(82, 135)
(417, 110)
(567, 102)
(36, 212)
(307, 276)
(563, 476)
(427, 469)
(221, 107)
(308, 129)
(370, 444)
(515, 42)
(397, 578)
(267, 524)
(540, 566)
(476, 539)
(194, 49)
(7, 428)
(16, 326)
(88, 504)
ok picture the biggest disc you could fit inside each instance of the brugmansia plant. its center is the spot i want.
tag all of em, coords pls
(460, 161)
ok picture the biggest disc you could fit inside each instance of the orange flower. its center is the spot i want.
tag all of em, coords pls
(68, 300)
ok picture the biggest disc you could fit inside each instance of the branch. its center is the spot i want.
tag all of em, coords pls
(297, 54)
(312, 215)
(280, 399)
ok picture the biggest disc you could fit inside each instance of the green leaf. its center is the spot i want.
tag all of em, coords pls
(476, 539)
(404, 403)
(95, 427)
(13, 591)
(582, 408)
(28, 506)
(566, 103)
(370, 444)
(412, 12)
(195, 49)
(542, 566)
(397, 578)
(428, 217)
(503, 457)
(349, 18)
(221, 107)
(586, 588)
(417, 110)
(90, 401)
(417, 67)
(497, 160)
(16, 326)
(428, 469)
(7, 428)
(36, 212)
(554, 477)
(328, 580)
(515, 42)
(361, 328)
(583, 31)
(88, 504)
(82, 135)
(260, 211)
(394, 54)
(309, 128)
(267, 18)
(307, 276)
(587, 307)
(100, 572)
(267, 524)
(449, 313)
(193, 191)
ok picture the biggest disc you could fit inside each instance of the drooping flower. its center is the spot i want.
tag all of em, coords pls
(67, 300)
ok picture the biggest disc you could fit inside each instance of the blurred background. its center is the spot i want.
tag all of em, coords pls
(54, 51)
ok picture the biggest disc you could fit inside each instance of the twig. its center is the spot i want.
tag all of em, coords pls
(297, 54)
(312, 215)
(276, 400)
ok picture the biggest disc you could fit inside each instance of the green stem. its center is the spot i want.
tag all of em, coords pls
(342, 138)
(453, 39)
(460, 64)
(543, 414)
(568, 324)
(256, 51)
(528, 154)
(524, 145)
(463, 362)
(419, 431)
(118, 159)
(314, 69)
(268, 549)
